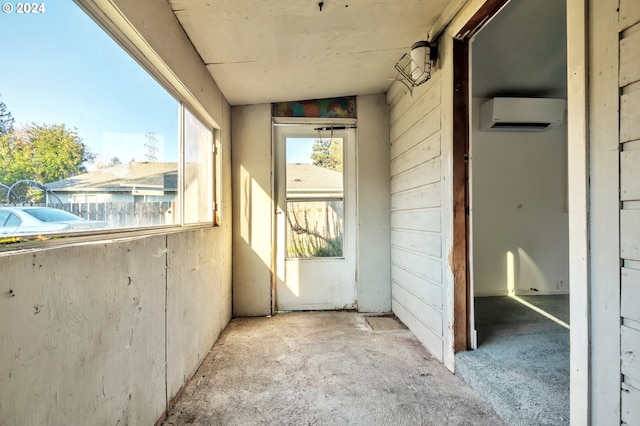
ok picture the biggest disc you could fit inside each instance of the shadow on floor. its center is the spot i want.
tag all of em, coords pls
(324, 368)
(521, 366)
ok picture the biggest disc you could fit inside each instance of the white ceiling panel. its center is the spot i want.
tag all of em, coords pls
(267, 51)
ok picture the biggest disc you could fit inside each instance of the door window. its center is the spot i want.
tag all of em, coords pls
(314, 197)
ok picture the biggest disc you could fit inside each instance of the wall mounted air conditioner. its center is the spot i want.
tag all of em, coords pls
(521, 114)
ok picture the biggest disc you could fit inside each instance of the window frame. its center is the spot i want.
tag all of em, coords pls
(109, 19)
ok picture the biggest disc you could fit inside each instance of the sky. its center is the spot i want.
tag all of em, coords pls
(61, 67)
(299, 150)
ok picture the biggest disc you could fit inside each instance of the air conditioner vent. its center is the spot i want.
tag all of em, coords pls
(521, 114)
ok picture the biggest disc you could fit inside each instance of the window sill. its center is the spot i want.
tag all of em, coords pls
(48, 241)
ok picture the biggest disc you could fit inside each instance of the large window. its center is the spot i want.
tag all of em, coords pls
(86, 130)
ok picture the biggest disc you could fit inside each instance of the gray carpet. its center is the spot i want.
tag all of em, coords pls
(521, 366)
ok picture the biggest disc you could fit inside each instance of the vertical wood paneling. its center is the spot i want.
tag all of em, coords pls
(416, 213)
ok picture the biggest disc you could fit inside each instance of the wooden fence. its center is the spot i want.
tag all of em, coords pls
(123, 215)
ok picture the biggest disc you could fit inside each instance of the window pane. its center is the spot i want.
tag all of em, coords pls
(198, 170)
(100, 134)
(315, 228)
(315, 191)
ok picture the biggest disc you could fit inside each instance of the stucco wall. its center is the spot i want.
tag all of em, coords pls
(105, 332)
(519, 206)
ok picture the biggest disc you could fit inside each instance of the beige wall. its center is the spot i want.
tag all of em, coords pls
(252, 238)
(374, 276)
(519, 206)
(252, 210)
(104, 332)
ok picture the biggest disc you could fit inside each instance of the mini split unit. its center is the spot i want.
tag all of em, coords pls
(521, 114)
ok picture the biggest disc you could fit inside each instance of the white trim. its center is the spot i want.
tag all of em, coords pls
(603, 137)
(578, 208)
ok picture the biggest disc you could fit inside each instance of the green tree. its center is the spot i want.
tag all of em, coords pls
(44, 153)
(327, 153)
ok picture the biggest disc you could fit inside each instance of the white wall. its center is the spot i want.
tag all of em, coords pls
(419, 176)
(629, 78)
(374, 275)
(105, 332)
(519, 206)
(252, 247)
(252, 210)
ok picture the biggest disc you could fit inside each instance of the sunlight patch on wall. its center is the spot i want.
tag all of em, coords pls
(511, 291)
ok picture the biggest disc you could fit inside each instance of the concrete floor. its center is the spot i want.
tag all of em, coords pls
(324, 368)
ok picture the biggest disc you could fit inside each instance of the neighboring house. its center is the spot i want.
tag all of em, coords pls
(309, 181)
(132, 182)
(108, 331)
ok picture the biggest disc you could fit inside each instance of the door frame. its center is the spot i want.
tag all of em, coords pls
(348, 123)
(578, 192)
(460, 263)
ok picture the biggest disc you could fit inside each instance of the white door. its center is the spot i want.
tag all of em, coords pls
(316, 220)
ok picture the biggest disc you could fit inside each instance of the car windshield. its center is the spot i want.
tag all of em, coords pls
(51, 215)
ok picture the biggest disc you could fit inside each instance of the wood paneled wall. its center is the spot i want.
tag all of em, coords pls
(629, 82)
(416, 211)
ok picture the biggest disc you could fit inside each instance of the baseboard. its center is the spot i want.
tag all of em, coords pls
(490, 293)
(521, 293)
(542, 293)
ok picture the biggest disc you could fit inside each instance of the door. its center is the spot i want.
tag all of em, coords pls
(316, 219)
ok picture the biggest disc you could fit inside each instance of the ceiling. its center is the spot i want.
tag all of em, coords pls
(261, 51)
(268, 51)
(522, 51)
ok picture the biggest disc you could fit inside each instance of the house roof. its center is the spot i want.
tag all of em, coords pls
(304, 178)
(123, 178)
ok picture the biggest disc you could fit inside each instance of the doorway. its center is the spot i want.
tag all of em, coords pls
(517, 230)
(315, 188)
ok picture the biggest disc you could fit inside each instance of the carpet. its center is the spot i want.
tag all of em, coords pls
(521, 366)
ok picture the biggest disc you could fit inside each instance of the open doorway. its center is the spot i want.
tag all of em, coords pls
(518, 229)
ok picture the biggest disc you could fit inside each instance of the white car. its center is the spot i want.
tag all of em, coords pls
(18, 221)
